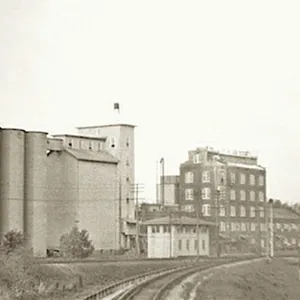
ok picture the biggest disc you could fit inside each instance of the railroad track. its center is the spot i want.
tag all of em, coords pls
(157, 287)
(161, 279)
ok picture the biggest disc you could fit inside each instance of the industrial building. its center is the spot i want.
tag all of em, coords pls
(23, 172)
(48, 184)
(230, 188)
(173, 237)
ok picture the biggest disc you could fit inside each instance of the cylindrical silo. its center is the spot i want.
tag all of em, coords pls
(12, 180)
(35, 191)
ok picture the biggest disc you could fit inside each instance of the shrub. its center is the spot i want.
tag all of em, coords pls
(76, 243)
(12, 240)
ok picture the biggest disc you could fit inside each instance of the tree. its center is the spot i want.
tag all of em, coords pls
(12, 240)
(76, 243)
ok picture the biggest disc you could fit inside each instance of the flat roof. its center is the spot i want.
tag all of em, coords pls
(81, 137)
(178, 221)
(102, 126)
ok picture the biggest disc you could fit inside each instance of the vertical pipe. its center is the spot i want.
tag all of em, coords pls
(162, 161)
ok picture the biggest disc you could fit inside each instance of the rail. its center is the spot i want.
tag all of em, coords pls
(144, 278)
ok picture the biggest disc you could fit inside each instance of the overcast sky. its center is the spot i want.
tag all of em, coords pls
(187, 73)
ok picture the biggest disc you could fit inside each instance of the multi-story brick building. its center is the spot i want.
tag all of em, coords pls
(228, 188)
(286, 224)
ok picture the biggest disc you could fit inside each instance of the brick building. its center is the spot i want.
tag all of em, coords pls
(286, 224)
(228, 188)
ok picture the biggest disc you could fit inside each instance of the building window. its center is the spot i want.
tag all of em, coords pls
(189, 194)
(205, 176)
(206, 210)
(206, 193)
(242, 178)
(243, 226)
(262, 243)
(188, 208)
(261, 196)
(261, 212)
(195, 244)
(222, 177)
(252, 179)
(232, 211)
(237, 226)
(232, 177)
(253, 227)
(222, 211)
(222, 226)
(189, 177)
(203, 244)
(187, 245)
(242, 195)
(232, 194)
(158, 228)
(99, 146)
(222, 193)
(261, 180)
(153, 229)
(252, 211)
(179, 245)
(242, 211)
(196, 159)
(252, 196)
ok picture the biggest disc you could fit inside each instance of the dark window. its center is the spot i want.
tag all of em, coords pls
(179, 244)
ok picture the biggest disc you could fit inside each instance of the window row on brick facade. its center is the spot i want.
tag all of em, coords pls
(242, 226)
(206, 194)
(206, 178)
(178, 229)
(206, 211)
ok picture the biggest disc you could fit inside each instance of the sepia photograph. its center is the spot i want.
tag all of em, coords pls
(149, 150)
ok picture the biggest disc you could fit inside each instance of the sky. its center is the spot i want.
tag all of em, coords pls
(188, 73)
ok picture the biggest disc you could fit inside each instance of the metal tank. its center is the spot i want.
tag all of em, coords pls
(35, 191)
(11, 180)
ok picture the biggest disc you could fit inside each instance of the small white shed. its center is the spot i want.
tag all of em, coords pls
(172, 237)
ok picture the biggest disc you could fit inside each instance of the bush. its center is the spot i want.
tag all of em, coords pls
(12, 240)
(76, 243)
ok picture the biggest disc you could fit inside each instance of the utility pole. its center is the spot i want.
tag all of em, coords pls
(268, 230)
(217, 195)
(271, 229)
(197, 208)
(136, 189)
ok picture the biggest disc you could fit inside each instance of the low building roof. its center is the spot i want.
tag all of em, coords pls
(177, 221)
(245, 166)
(87, 137)
(108, 125)
(284, 213)
(92, 156)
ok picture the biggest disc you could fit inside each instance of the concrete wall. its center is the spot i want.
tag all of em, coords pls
(12, 166)
(98, 203)
(35, 191)
(62, 196)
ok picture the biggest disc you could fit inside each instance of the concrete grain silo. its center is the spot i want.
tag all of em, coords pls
(35, 191)
(11, 180)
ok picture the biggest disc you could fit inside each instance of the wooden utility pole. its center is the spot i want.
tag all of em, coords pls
(198, 229)
(137, 188)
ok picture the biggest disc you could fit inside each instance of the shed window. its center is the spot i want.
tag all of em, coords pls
(179, 244)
